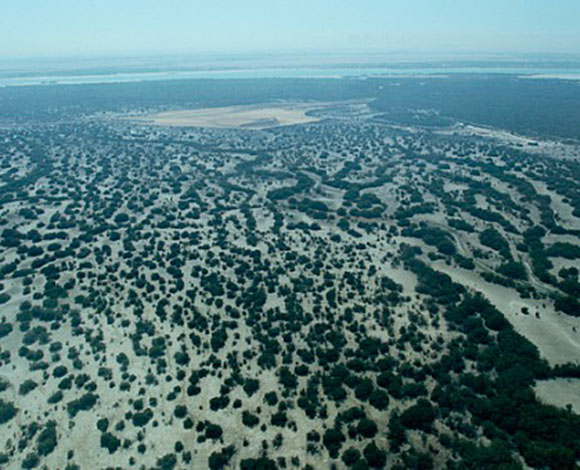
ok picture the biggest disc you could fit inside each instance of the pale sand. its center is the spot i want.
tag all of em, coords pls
(253, 117)
(559, 392)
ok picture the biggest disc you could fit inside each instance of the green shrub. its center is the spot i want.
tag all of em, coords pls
(7, 411)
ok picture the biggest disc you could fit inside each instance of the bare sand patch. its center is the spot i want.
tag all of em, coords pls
(259, 116)
(546, 147)
(559, 392)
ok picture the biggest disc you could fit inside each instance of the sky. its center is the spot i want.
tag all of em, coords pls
(87, 28)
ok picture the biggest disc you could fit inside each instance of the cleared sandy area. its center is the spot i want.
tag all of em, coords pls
(559, 392)
(252, 116)
(546, 147)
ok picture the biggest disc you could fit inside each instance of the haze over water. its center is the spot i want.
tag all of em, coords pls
(83, 71)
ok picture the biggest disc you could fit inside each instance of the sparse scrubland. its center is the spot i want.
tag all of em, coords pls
(352, 293)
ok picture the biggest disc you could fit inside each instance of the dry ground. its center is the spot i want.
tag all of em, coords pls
(260, 116)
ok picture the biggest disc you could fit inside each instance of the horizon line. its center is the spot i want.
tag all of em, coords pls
(409, 54)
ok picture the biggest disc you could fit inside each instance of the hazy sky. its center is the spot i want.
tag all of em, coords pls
(141, 27)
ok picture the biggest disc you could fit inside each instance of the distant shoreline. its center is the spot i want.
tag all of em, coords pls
(555, 76)
(75, 78)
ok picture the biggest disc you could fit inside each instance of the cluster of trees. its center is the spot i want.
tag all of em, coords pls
(431, 282)
(564, 250)
(493, 239)
(303, 184)
(433, 236)
(7, 411)
(545, 436)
